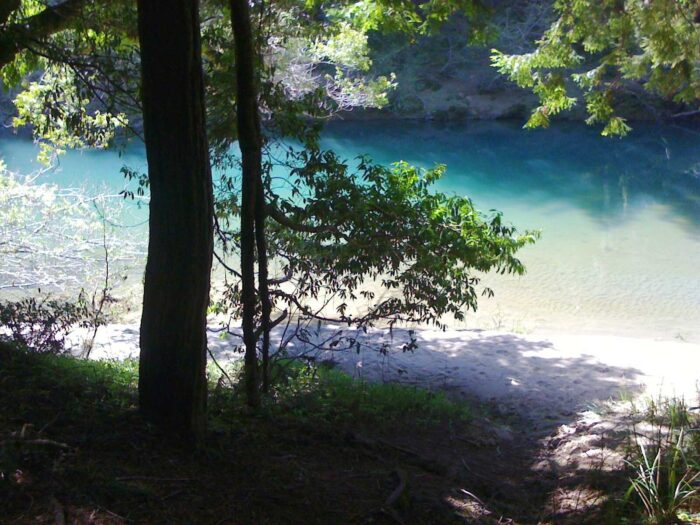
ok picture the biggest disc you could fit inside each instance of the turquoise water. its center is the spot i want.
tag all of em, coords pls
(620, 219)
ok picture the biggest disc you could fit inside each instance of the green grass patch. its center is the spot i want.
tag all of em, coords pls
(327, 394)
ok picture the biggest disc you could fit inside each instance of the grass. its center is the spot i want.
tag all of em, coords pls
(334, 396)
(72, 442)
(665, 463)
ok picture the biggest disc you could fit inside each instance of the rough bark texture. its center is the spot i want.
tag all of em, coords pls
(252, 199)
(172, 382)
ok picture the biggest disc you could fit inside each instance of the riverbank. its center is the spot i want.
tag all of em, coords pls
(554, 413)
(544, 379)
(532, 440)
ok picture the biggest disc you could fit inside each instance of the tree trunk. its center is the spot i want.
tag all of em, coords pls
(252, 200)
(172, 381)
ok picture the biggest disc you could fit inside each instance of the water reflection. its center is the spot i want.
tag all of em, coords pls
(496, 162)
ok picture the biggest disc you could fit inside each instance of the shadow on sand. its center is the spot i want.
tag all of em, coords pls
(532, 395)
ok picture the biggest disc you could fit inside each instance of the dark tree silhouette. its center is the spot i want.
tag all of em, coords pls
(172, 382)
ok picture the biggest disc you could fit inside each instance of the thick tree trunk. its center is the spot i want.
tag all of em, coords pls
(172, 381)
(252, 200)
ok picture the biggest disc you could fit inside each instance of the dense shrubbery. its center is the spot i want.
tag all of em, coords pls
(41, 324)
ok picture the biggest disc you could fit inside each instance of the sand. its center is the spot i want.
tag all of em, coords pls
(544, 378)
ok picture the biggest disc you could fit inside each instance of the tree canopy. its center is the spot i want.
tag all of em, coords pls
(600, 51)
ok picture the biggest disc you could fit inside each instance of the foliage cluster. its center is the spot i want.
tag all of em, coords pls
(343, 233)
(42, 324)
(60, 117)
(605, 49)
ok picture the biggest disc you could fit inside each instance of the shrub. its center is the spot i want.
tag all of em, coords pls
(42, 324)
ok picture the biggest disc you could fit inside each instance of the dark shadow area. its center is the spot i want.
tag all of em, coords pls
(73, 449)
(524, 454)
(543, 462)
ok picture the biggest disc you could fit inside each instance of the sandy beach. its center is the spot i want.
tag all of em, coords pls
(542, 378)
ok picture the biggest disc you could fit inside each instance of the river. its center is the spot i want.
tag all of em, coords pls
(620, 218)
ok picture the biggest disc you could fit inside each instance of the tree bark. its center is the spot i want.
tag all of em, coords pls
(252, 201)
(172, 381)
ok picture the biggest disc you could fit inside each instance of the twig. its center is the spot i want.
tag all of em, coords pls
(388, 508)
(51, 422)
(172, 494)
(684, 114)
(399, 490)
(97, 312)
(36, 442)
(474, 497)
(59, 514)
(113, 514)
(151, 478)
(230, 381)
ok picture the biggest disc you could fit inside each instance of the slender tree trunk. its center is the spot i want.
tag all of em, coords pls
(172, 381)
(265, 303)
(252, 201)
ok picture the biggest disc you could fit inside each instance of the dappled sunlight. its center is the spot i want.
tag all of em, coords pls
(545, 380)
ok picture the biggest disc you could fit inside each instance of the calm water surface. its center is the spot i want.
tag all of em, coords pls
(620, 219)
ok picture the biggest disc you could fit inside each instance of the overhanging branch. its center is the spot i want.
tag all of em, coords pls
(278, 216)
(50, 21)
